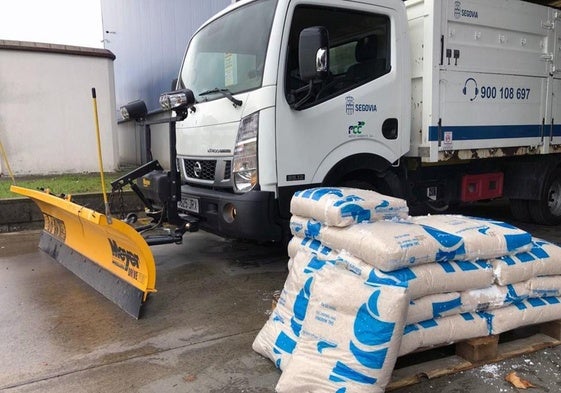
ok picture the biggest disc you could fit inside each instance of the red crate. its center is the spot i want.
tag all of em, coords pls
(482, 186)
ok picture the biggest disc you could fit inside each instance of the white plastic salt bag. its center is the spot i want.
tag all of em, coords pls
(476, 300)
(350, 337)
(427, 279)
(439, 277)
(493, 297)
(545, 286)
(525, 313)
(340, 206)
(434, 306)
(445, 330)
(279, 336)
(543, 259)
(310, 245)
(498, 296)
(386, 245)
(482, 238)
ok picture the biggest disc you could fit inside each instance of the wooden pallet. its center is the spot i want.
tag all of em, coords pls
(474, 353)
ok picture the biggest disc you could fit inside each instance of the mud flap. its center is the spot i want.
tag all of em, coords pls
(112, 258)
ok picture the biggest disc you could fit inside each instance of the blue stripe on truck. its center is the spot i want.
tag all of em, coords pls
(467, 133)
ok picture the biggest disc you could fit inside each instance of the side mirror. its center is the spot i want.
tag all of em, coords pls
(313, 53)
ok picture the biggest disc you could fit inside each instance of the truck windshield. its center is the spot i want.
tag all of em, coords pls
(229, 53)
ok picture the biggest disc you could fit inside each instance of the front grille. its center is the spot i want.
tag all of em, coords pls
(207, 169)
(227, 170)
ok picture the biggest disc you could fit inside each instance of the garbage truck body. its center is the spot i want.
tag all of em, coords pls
(437, 101)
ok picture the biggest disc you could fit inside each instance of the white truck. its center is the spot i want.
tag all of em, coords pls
(436, 101)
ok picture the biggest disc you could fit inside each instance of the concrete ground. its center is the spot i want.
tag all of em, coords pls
(59, 335)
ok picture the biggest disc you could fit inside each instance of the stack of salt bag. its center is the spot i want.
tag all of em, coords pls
(448, 264)
(444, 261)
(533, 279)
(331, 328)
(525, 290)
(458, 314)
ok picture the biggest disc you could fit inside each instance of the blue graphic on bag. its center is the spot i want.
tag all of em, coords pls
(536, 253)
(512, 296)
(312, 229)
(369, 331)
(317, 193)
(536, 302)
(315, 246)
(283, 344)
(433, 323)
(357, 212)
(399, 277)
(514, 241)
(451, 246)
(439, 308)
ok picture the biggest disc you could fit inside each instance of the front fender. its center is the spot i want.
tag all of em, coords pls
(358, 148)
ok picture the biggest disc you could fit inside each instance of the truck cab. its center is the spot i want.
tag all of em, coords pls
(261, 129)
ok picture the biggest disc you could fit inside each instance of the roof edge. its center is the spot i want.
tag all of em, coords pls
(56, 48)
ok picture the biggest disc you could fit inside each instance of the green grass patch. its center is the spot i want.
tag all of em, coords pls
(59, 184)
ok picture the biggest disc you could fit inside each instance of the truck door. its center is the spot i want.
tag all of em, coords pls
(358, 107)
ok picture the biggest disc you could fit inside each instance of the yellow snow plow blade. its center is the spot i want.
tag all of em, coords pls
(113, 258)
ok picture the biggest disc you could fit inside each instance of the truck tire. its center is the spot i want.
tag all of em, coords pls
(386, 183)
(520, 210)
(547, 210)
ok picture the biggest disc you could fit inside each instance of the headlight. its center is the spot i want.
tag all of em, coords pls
(183, 98)
(244, 165)
(135, 110)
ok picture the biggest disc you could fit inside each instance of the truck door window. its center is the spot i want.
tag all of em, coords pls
(359, 51)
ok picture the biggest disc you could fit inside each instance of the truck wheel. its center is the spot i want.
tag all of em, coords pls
(547, 210)
(520, 210)
(386, 183)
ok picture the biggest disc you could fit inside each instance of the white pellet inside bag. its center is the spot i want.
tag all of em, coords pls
(350, 337)
(440, 331)
(528, 312)
(340, 206)
(482, 238)
(543, 259)
(279, 336)
(386, 245)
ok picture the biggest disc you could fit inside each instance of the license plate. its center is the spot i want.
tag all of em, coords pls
(189, 204)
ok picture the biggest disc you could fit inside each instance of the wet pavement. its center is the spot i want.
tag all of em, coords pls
(195, 335)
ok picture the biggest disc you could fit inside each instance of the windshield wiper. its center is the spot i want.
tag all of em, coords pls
(225, 93)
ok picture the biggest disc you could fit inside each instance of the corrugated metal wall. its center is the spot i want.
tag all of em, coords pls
(149, 38)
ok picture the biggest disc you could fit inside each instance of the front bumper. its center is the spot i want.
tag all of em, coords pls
(256, 213)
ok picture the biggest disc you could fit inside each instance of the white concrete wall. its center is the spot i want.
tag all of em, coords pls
(46, 111)
(132, 141)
